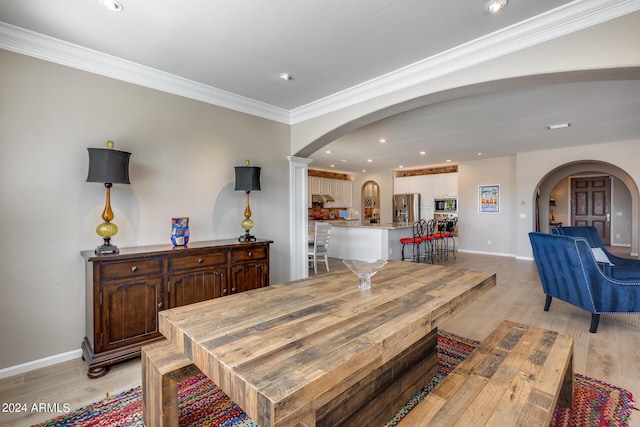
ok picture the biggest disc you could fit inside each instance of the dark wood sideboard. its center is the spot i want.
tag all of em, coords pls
(125, 292)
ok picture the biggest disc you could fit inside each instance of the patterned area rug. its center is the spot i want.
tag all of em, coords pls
(203, 404)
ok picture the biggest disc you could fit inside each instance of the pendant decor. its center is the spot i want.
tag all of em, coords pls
(180, 231)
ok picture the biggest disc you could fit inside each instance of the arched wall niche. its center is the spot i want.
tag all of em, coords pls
(553, 177)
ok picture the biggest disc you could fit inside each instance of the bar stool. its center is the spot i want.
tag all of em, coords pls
(450, 234)
(415, 241)
(429, 240)
(439, 242)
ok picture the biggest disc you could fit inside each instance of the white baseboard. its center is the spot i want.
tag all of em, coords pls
(40, 363)
(487, 253)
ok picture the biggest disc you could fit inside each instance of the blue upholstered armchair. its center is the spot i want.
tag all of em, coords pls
(568, 271)
(617, 267)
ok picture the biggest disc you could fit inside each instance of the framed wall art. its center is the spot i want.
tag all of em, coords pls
(489, 198)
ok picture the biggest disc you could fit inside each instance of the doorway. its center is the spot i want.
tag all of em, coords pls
(591, 204)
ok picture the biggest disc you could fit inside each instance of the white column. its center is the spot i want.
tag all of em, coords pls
(298, 213)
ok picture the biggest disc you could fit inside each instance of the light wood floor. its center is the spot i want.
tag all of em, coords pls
(611, 355)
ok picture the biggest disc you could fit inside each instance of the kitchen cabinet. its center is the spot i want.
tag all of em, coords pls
(407, 184)
(343, 193)
(445, 185)
(340, 189)
(430, 187)
(125, 291)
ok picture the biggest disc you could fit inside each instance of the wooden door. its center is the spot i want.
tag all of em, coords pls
(591, 204)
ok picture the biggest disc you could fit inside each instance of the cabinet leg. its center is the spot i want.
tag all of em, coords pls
(97, 372)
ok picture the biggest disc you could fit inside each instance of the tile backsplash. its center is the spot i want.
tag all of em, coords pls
(326, 213)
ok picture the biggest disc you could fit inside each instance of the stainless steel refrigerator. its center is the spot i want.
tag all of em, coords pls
(406, 208)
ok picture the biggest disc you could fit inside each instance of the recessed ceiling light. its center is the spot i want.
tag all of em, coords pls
(559, 126)
(333, 166)
(382, 140)
(344, 160)
(400, 166)
(422, 153)
(364, 170)
(112, 5)
(479, 154)
(328, 151)
(448, 161)
(495, 6)
(369, 160)
(285, 76)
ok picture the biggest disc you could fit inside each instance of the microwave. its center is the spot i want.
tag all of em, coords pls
(448, 204)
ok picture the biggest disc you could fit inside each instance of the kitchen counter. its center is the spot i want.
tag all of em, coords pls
(358, 223)
(355, 239)
(386, 225)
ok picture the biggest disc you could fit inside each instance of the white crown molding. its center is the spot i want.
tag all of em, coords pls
(566, 19)
(40, 46)
(571, 17)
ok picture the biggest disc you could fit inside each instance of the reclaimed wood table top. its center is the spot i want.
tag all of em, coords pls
(283, 351)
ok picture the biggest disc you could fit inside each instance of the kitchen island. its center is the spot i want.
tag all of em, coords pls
(355, 239)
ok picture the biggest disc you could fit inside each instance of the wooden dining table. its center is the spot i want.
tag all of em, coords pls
(320, 351)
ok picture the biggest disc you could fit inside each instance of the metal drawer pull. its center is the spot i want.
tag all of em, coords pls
(160, 304)
(134, 268)
(199, 260)
(250, 253)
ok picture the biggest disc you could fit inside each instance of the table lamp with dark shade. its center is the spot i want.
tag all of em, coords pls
(552, 204)
(247, 180)
(108, 166)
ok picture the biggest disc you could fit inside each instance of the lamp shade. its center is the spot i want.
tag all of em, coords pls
(108, 166)
(247, 178)
(552, 202)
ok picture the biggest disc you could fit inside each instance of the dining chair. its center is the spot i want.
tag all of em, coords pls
(320, 245)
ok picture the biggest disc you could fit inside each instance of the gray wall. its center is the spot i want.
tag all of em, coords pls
(182, 165)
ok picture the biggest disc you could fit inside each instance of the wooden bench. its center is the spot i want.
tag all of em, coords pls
(514, 378)
(163, 366)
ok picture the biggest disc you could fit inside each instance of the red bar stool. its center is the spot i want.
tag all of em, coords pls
(429, 240)
(415, 241)
(450, 234)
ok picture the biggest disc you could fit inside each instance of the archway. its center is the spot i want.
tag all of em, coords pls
(505, 84)
(553, 177)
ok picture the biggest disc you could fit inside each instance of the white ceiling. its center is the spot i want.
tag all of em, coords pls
(229, 52)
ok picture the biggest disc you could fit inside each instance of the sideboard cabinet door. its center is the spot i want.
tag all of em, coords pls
(197, 276)
(129, 312)
(249, 268)
(245, 277)
(190, 288)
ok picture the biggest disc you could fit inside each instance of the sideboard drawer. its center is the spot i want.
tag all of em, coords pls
(189, 262)
(131, 268)
(249, 254)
